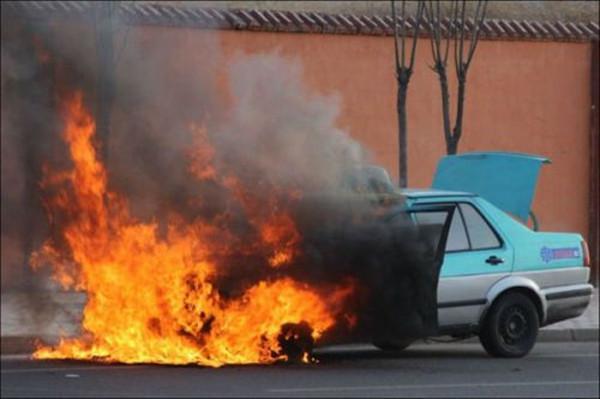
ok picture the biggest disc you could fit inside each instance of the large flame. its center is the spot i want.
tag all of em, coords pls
(151, 297)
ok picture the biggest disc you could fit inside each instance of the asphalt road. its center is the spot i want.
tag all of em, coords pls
(460, 370)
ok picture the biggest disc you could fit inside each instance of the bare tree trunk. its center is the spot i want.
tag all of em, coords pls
(453, 144)
(441, 71)
(402, 129)
(404, 70)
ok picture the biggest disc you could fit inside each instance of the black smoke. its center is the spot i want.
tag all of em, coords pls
(279, 139)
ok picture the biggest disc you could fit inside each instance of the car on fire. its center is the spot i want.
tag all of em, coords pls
(499, 279)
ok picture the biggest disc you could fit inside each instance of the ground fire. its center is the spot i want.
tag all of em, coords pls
(152, 299)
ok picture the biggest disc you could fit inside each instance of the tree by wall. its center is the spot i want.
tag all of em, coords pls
(459, 27)
(404, 68)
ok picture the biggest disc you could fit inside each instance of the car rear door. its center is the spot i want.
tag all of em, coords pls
(476, 256)
(469, 271)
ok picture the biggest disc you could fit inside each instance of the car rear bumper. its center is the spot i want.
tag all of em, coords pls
(566, 302)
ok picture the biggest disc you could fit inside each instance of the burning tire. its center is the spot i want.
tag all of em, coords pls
(296, 341)
(510, 329)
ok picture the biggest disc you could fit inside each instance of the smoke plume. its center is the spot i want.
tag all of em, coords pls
(237, 146)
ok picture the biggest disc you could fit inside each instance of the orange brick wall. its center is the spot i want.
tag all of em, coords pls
(529, 97)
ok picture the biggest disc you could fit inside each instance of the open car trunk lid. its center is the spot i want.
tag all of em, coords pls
(507, 180)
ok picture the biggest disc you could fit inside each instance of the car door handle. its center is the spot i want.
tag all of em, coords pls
(494, 260)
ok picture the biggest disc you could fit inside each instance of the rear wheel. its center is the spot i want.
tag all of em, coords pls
(394, 346)
(511, 326)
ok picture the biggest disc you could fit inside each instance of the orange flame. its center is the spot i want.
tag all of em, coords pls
(281, 235)
(150, 299)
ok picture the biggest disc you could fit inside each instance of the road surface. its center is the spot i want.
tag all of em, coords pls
(463, 370)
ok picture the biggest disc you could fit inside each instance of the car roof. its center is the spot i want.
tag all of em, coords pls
(432, 193)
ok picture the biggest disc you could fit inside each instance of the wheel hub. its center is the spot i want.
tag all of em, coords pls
(515, 325)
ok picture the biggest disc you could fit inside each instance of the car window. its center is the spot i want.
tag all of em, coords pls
(481, 234)
(457, 237)
(431, 224)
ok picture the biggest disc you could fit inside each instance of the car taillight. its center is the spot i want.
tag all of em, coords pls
(586, 253)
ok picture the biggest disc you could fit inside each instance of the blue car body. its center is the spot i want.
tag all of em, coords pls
(490, 251)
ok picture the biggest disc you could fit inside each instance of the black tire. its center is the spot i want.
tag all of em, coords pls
(395, 346)
(511, 326)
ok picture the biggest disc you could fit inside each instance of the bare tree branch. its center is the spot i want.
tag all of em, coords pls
(440, 33)
(419, 18)
(479, 18)
(451, 29)
(462, 38)
(435, 32)
(430, 24)
(457, 31)
(395, 36)
(403, 30)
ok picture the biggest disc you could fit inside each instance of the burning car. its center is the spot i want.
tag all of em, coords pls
(267, 263)
(499, 280)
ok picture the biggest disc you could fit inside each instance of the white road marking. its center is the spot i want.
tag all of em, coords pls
(430, 386)
(568, 355)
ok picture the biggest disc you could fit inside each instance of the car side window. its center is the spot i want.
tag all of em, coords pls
(480, 233)
(457, 237)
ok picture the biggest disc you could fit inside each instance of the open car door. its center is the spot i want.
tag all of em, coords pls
(411, 311)
(393, 263)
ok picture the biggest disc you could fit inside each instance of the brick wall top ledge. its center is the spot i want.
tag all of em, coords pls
(288, 21)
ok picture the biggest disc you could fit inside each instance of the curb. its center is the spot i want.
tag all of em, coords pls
(555, 335)
(16, 345)
(576, 335)
(12, 345)
(23, 344)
